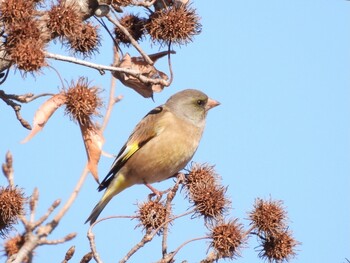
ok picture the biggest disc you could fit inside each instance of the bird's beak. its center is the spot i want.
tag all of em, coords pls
(211, 104)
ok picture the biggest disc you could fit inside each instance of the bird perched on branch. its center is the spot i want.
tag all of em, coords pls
(162, 143)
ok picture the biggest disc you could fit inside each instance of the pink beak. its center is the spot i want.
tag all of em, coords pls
(211, 104)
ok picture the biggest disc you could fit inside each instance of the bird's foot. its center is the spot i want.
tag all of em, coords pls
(156, 193)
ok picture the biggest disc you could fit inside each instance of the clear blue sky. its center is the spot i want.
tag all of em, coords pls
(281, 72)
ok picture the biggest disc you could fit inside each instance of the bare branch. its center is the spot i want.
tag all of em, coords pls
(102, 68)
(48, 213)
(170, 196)
(58, 241)
(169, 257)
(111, 99)
(145, 239)
(17, 108)
(33, 202)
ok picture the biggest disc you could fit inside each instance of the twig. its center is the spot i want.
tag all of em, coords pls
(17, 108)
(72, 198)
(34, 239)
(170, 197)
(33, 202)
(169, 257)
(58, 241)
(48, 213)
(212, 257)
(135, 73)
(91, 236)
(145, 239)
(132, 40)
(111, 99)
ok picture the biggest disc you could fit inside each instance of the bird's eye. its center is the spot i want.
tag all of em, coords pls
(200, 102)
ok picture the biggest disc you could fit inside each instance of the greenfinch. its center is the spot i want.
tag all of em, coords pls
(161, 145)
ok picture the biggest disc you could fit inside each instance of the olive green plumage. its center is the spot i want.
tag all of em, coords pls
(162, 143)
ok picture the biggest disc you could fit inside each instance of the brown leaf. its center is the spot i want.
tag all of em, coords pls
(43, 114)
(93, 141)
(149, 71)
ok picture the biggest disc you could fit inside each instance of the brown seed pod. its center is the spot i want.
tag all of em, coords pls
(152, 214)
(11, 206)
(64, 19)
(204, 190)
(175, 24)
(24, 45)
(16, 11)
(28, 55)
(278, 247)
(227, 238)
(82, 101)
(86, 41)
(268, 216)
(134, 25)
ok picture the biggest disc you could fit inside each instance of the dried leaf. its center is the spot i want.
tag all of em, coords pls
(149, 71)
(93, 141)
(43, 114)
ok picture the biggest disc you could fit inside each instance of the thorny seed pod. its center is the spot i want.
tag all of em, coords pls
(175, 24)
(16, 11)
(28, 55)
(24, 45)
(201, 173)
(152, 214)
(278, 247)
(64, 19)
(268, 216)
(203, 189)
(11, 206)
(86, 41)
(134, 25)
(227, 239)
(13, 245)
(82, 101)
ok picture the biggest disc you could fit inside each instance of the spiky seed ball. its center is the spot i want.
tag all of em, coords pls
(176, 24)
(278, 247)
(152, 214)
(135, 26)
(82, 101)
(15, 11)
(201, 173)
(203, 189)
(64, 19)
(86, 41)
(11, 206)
(209, 200)
(227, 239)
(17, 32)
(28, 55)
(268, 216)
(13, 245)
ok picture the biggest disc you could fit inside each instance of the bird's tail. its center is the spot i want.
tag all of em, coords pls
(117, 185)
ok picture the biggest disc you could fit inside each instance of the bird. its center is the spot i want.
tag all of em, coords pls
(160, 145)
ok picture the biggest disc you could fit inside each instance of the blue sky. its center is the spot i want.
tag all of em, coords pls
(281, 72)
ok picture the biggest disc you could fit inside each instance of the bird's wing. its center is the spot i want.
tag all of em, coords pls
(144, 131)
